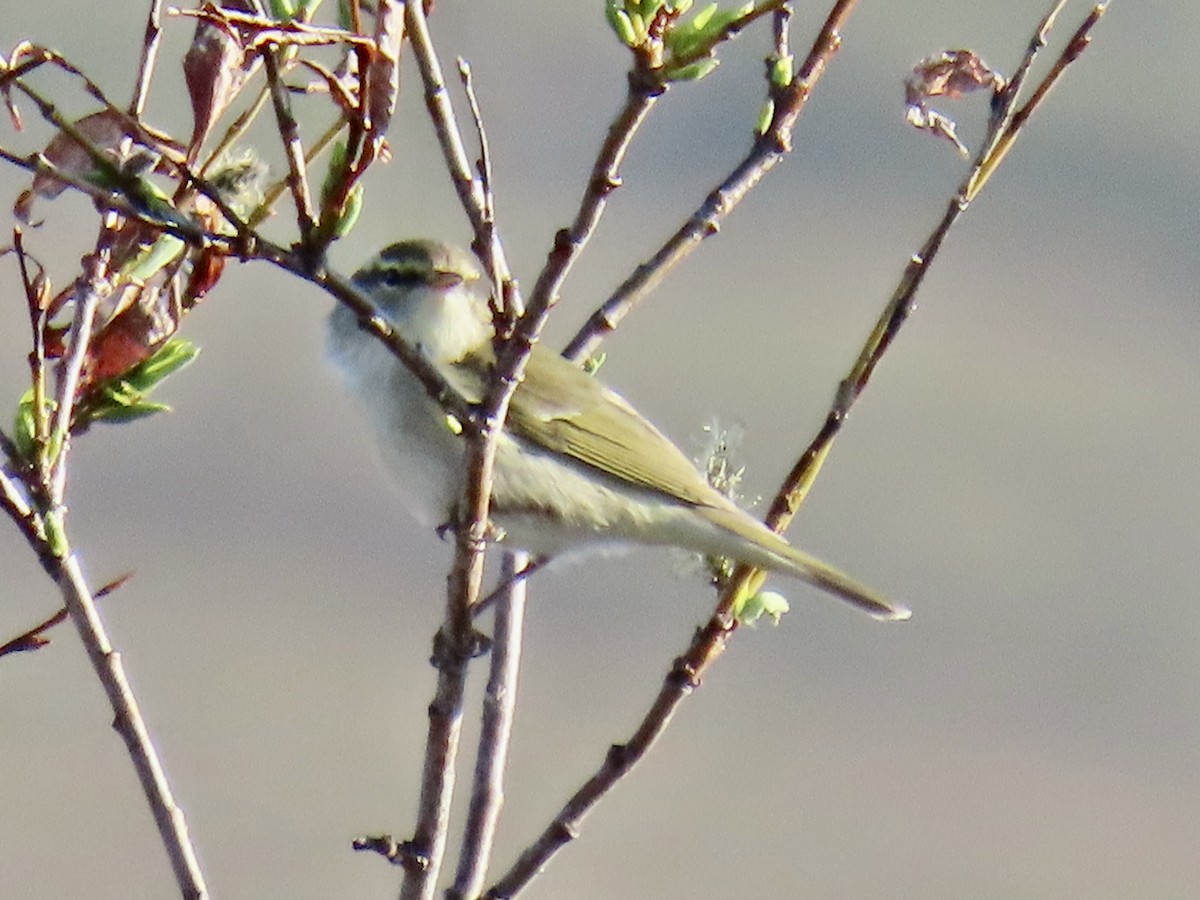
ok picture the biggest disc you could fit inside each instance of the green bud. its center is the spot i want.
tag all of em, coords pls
(335, 171)
(640, 34)
(25, 426)
(764, 116)
(782, 70)
(592, 364)
(648, 9)
(56, 533)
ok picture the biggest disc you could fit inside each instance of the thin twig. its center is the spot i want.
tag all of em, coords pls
(487, 200)
(34, 639)
(456, 642)
(437, 99)
(499, 707)
(181, 228)
(95, 285)
(289, 133)
(28, 520)
(128, 721)
(605, 178)
(768, 150)
(64, 568)
(149, 56)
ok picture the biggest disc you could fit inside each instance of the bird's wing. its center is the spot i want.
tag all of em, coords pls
(560, 408)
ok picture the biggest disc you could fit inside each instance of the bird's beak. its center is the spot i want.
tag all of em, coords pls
(444, 280)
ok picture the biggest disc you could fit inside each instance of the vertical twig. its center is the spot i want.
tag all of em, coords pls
(437, 100)
(499, 706)
(64, 567)
(289, 133)
(150, 44)
(457, 641)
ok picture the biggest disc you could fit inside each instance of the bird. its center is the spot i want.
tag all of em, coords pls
(577, 468)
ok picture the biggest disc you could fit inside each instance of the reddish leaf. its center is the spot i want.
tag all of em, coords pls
(215, 68)
(132, 335)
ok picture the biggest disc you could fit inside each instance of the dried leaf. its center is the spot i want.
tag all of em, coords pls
(951, 73)
(215, 69)
(383, 72)
(105, 130)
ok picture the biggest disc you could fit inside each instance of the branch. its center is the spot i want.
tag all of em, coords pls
(149, 56)
(499, 706)
(437, 100)
(289, 133)
(768, 150)
(128, 722)
(605, 178)
(709, 642)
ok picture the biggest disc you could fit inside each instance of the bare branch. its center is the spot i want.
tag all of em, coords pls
(709, 642)
(605, 178)
(289, 133)
(437, 100)
(172, 826)
(499, 706)
(149, 56)
(768, 150)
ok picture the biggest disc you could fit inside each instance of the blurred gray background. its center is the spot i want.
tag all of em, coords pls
(1021, 472)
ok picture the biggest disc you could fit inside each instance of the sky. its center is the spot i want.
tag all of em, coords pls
(1020, 472)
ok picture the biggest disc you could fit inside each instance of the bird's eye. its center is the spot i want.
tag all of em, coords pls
(396, 277)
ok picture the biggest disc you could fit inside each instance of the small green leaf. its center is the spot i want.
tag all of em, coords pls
(703, 17)
(764, 603)
(679, 7)
(283, 10)
(126, 411)
(693, 71)
(158, 256)
(350, 212)
(167, 360)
